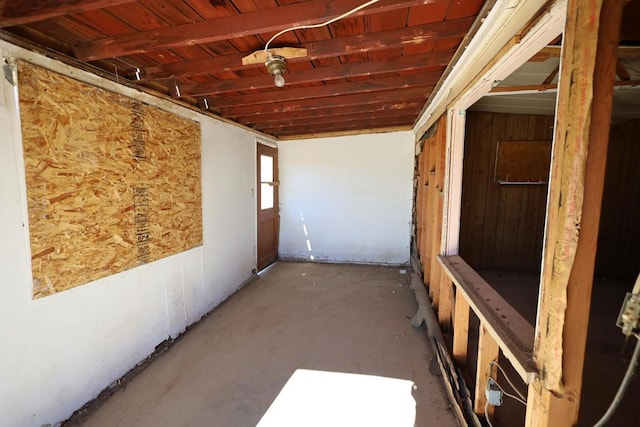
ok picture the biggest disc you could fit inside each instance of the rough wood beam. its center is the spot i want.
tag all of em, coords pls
(527, 89)
(622, 72)
(21, 12)
(342, 133)
(488, 351)
(341, 128)
(460, 329)
(624, 52)
(372, 42)
(425, 61)
(362, 86)
(287, 121)
(330, 102)
(229, 27)
(552, 75)
(332, 112)
(513, 332)
(573, 211)
(347, 122)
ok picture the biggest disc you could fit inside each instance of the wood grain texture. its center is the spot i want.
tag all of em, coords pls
(234, 26)
(23, 12)
(583, 117)
(111, 183)
(501, 225)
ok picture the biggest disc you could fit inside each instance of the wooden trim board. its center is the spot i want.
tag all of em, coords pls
(513, 333)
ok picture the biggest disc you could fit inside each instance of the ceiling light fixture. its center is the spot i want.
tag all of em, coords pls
(276, 63)
(276, 66)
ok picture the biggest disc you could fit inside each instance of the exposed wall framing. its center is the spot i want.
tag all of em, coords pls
(112, 183)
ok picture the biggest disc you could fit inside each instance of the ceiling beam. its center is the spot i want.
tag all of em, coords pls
(363, 124)
(342, 133)
(406, 116)
(229, 27)
(334, 101)
(370, 42)
(544, 88)
(435, 61)
(22, 12)
(331, 113)
(361, 86)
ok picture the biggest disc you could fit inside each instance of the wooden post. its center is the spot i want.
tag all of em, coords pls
(446, 299)
(460, 330)
(488, 351)
(589, 57)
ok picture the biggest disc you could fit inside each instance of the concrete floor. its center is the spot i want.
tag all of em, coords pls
(228, 369)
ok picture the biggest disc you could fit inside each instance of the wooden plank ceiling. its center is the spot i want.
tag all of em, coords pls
(372, 70)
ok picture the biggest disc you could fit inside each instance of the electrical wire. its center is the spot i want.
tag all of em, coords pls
(511, 395)
(305, 27)
(486, 413)
(506, 377)
(623, 387)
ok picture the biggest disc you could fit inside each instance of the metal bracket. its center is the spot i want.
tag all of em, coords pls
(629, 317)
(9, 68)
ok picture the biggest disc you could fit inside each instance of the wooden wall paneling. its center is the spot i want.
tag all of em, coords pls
(482, 170)
(488, 240)
(502, 228)
(488, 351)
(619, 239)
(460, 329)
(111, 183)
(589, 58)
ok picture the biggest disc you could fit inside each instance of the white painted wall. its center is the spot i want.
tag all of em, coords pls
(58, 352)
(353, 196)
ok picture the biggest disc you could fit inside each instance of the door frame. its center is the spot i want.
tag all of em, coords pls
(264, 147)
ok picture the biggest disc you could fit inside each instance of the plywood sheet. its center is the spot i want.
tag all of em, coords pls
(112, 183)
(523, 162)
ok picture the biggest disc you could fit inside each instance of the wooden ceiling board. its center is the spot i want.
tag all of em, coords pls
(169, 13)
(335, 113)
(389, 21)
(186, 9)
(335, 101)
(24, 12)
(434, 63)
(285, 121)
(104, 22)
(251, 23)
(137, 16)
(211, 9)
(428, 13)
(374, 69)
(464, 9)
(66, 30)
(286, 95)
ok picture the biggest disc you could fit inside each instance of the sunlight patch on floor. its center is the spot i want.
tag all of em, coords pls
(319, 398)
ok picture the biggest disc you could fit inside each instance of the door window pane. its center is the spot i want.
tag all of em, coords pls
(266, 182)
(266, 168)
(266, 196)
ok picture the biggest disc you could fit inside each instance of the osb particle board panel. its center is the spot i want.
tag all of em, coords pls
(523, 162)
(112, 183)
